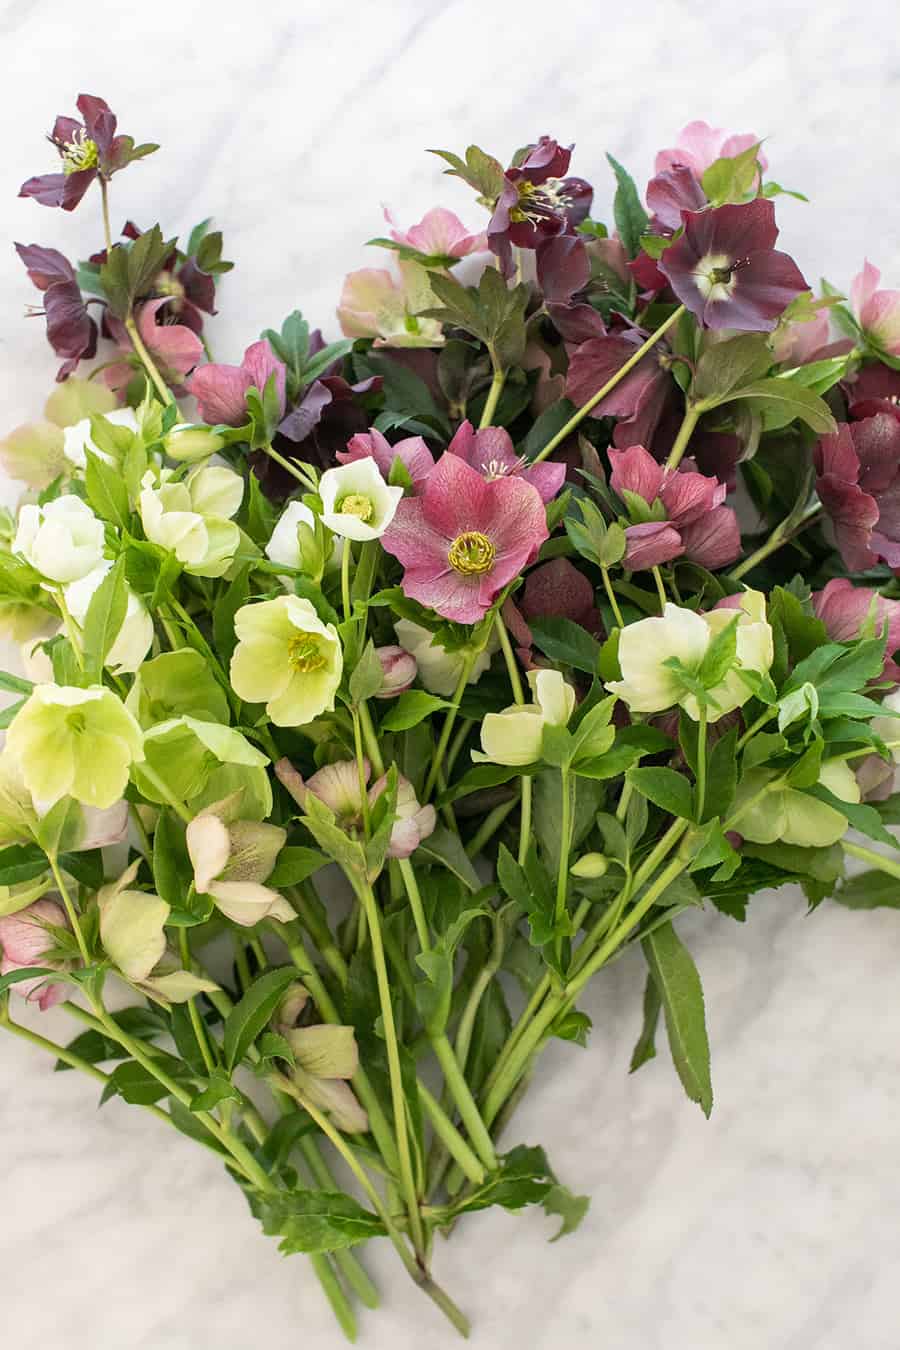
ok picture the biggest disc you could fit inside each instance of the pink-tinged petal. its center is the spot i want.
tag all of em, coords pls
(798, 343)
(847, 611)
(854, 515)
(713, 540)
(412, 540)
(688, 496)
(882, 320)
(221, 394)
(736, 145)
(494, 450)
(452, 596)
(45, 266)
(635, 470)
(458, 498)
(546, 478)
(365, 294)
(557, 588)
(177, 348)
(261, 363)
(766, 284)
(412, 452)
(836, 455)
(862, 288)
(650, 544)
(517, 525)
(675, 190)
(440, 232)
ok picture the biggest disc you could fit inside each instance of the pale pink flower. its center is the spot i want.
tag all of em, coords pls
(877, 312)
(24, 939)
(699, 145)
(399, 670)
(439, 234)
(697, 525)
(175, 348)
(849, 611)
(490, 451)
(378, 305)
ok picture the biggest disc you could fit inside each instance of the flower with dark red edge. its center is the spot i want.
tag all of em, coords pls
(537, 201)
(88, 149)
(71, 331)
(877, 312)
(726, 270)
(850, 612)
(697, 525)
(859, 486)
(175, 348)
(638, 401)
(221, 390)
(412, 452)
(465, 538)
(875, 388)
(490, 451)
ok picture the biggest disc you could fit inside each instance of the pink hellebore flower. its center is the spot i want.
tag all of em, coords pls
(726, 270)
(24, 939)
(877, 312)
(490, 451)
(465, 538)
(374, 304)
(337, 786)
(638, 401)
(400, 669)
(412, 452)
(679, 169)
(439, 234)
(697, 525)
(850, 612)
(876, 388)
(859, 486)
(801, 341)
(175, 348)
(221, 391)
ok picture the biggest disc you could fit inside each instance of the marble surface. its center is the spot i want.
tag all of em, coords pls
(773, 1225)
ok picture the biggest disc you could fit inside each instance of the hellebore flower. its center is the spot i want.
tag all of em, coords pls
(356, 501)
(859, 486)
(465, 538)
(537, 201)
(78, 743)
(696, 523)
(490, 451)
(200, 761)
(649, 684)
(88, 149)
(232, 859)
(789, 816)
(192, 519)
(338, 787)
(375, 304)
(873, 389)
(285, 546)
(63, 540)
(287, 658)
(71, 331)
(221, 391)
(679, 169)
(800, 341)
(725, 268)
(135, 635)
(413, 454)
(877, 312)
(24, 941)
(514, 735)
(638, 401)
(438, 669)
(850, 612)
(399, 669)
(439, 234)
(77, 439)
(555, 589)
(325, 1056)
(176, 349)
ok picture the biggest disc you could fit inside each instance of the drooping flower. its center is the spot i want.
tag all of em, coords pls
(135, 636)
(338, 787)
(399, 669)
(325, 1057)
(696, 525)
(490, 451)
(88, 149)
(412, 452)
(192, 518)
(356, 501)
(438, 669)
(874, 388)
(285, 546)
(465, 538)
(726, 270)
(514, 735)
(221, 390)
(800, 341)
(376, 304)
(537, 200)
(63, 540)
(638, 401)
(232, 859)
(33, 453)
(175, 348)
(71, 331)
(789, 816)
(25, 938)
(287, 658)
(439, 234)
(850, 612)
(679, 169)
(77, 743)
(554, 589)
(200, 762)
(877, 312)
(859, 486)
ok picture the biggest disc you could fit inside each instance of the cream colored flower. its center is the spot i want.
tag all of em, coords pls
(134, 638)
(284, 545)
(438, 669)
(287, 658)
(192, 519)
(63, 540)
(232, 859)
(514, 735)
(78, 439)
(788, 816)
(356, 501)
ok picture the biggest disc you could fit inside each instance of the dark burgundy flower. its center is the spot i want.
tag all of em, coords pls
(696, 525)
(875, 389)
(859, 486)
(88, 149)
(674, 190)
(564, 272)
(638, 401)
(726, 270)
(556, 589)
(71, 331)
(537, 201)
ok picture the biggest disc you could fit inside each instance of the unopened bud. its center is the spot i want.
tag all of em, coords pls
(188, 443)
(399, 668)
(590, 866)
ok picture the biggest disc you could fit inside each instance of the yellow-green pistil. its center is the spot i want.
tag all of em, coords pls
(471, 554)
(304, 654)
(356, 504)
(80, 153)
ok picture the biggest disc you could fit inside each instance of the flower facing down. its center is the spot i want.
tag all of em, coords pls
(858, 484)
(287, 658)
(25, 938)
(63, 540)
(78, 743)
(514, 735)
(438, 669)
(325, 1057)
(88, 149)
(412, 453)
(726, 270)
(71, 331)
(439, 234)
(293, 532)
(654, 652)
(638, 401)
(232, 859)
(375, 304)
(192, 518)
(877, 312)
(537, 200)
(135, 636)
(850, 612)
(175, 348)
(788, 816)
(356, 501)
(696, 525)
(490, 451)
(221, 390)
(465, 538)
(337, 786)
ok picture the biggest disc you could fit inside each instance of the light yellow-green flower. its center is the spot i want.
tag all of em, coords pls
(287, 658)
(788, 816)
(78, 743)
(192, 519)
(514, 735)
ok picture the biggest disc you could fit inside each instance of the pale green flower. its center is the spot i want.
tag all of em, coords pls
(788, 816)
(287, 658)
(232, 859)
(438, 669)
(356, 501)
(186, 752)
(325, 1057)
(192, 519)
(63, 540)
(78, 743)
(514, 735)
(176, 684)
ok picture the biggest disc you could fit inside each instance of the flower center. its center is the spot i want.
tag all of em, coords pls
(79, 153)
(537, 201)
(471, 554)
(304, 654)
(356, 504)
(76, 722)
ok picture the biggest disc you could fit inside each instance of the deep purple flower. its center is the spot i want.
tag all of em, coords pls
(465, 538)
(726, 270)
(564, 272)
(490, 451)
(537, 201)
(88, 149)
(638, 401)
(221, 391)
(412, 452)
(697, 525)
(849, 612)
(859, 486)
(875, 388)
(71, 331)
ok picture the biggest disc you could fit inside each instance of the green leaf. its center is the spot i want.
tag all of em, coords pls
(719, 656)
(630, 217)
(314, 1221)
(869, 890)
(130, 268)
(645, 1049)
(481, 171)
(681, 994)
(731, 179)
(780, 401)
(721, 776)
(667, 789)
(368, 675)
(560, 1201)
(295, 864)
(173, 872)
(219, 1089)
(236, 594)
(249, 1016)
(729, 366)
(15, 684)
(482, 776)
(106, 491)
(411, 708)
(139, 1086)
(567, 642)
(863, 818)
(21, 862)
(445, 846)
(105, 616)
(95, 1047)
(523, 1178)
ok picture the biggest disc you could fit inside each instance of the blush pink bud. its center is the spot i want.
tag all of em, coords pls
(399, 668)
(413, 822)
(24, 938)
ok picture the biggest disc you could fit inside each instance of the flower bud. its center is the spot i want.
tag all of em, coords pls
(399, 668)
(188, 444)
(24, 938)
(590, 866)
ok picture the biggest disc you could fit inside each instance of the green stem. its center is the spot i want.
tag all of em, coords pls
(449, 720)
(660, 588)
(350, 1268)
(611, 596)
(147, 361)
(493, 398)
(373, 749)
(582, 412)
(415, 902)
(104, 207)
(70, 908)
(491, 824)
(451, 1138)
(193, 1011)
(701, 762)
(346, 558)
(289, 467)
(775, 542)
(518, 698)
(331, 1288)
(562, 867)
(685, 432)
(877, 860)
(465, 1102)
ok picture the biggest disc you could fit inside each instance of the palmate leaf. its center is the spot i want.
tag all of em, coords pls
(313, 1221)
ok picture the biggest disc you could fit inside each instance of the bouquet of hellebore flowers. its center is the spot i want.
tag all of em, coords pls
(421, 671)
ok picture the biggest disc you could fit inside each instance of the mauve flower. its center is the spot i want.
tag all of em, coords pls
(175, 348)
(697, 525)
(439, 234)
(465, 538)
(71, 331)
(875, 388)
(638, 401)
(877, 312)
(490, 451)
(24, 939)
(859, 486)
(412, 452)
(801, 341)
(374, 304)
(87, 149)
(221, 391)
(555, 589)
(850, 612)
(725, 268)
(668, 194)
(537, 201)
(699, 145)
(338, 787)
(190, 291)
(564, 275)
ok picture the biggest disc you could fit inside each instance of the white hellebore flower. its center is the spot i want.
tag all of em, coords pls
(514, 735)
(356, 501)
(192, 519)
(78, 439)
(62, 540)
(648, 685)
(134, 638)
(287, 658)
(232, 859)
(284, 545)
(438, 669)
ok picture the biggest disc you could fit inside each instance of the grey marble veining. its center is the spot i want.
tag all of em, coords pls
(773, 1225)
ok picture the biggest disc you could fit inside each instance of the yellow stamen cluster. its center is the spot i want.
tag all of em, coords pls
(80, 153)
(356, 504)
(304, 654)
(471, 554)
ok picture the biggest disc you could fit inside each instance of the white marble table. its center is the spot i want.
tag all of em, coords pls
(772, 1226)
